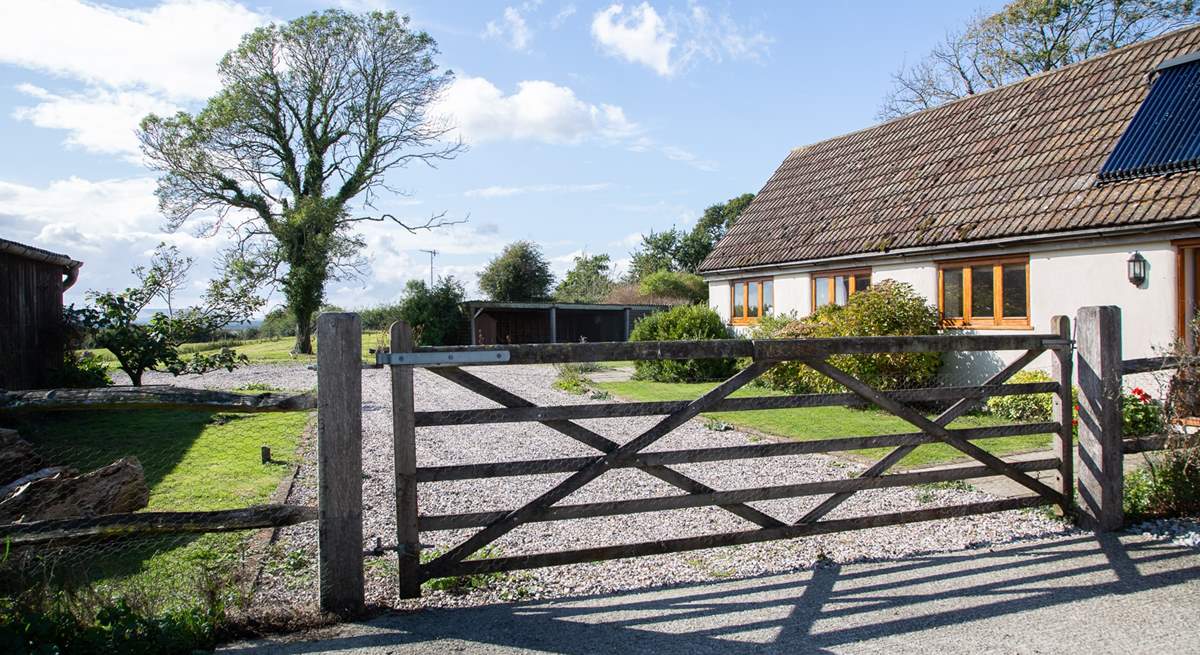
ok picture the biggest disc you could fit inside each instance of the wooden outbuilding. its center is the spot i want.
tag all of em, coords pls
(546, 322)
(32, 282)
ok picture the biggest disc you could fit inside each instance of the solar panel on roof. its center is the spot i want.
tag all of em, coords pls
(1164, 135)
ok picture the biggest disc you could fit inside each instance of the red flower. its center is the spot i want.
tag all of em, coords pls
(1137, 391)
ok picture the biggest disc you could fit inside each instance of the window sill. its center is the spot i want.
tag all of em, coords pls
(959, 326)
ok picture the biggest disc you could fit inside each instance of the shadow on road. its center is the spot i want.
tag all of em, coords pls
(1001, 598)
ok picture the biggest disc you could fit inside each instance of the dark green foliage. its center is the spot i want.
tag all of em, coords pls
(677, 250)
(887, 308)
(588, 280)
(281, 322)
(436, 315)
(1031, 407)
(113, 628)
(1168, 486)
(685, 322)
(675, 284)
(520, 273)
(81, 370)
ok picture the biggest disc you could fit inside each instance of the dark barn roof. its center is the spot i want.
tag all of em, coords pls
(1018, 161)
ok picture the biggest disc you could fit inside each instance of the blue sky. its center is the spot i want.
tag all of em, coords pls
(588, 123)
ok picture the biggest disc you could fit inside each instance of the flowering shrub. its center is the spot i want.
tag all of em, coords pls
(1141, 415)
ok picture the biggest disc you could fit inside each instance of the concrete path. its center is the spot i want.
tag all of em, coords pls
(1079, 594)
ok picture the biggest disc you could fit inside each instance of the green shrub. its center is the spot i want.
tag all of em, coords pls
(675, 284)
(888, 308)
(436, 314)
(685, 322)
(1027, 407)
(81, 370)
(1168, 486)
(1141, 415)
(571, 379)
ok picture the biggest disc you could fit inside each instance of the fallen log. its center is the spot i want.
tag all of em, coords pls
(113, 489)
(158, 397)
(150, 523)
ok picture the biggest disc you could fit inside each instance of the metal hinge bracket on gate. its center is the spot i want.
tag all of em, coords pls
(442, 359)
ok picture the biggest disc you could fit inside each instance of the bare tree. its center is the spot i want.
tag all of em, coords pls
(1025, 38)
(311, 116)
(166, 275)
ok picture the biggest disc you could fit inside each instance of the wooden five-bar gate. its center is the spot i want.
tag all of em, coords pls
(341, 544)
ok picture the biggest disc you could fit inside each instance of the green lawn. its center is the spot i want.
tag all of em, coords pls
(813, 423)
(193, 460)
(266, 351)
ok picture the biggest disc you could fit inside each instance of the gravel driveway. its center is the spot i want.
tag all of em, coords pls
(292, 574)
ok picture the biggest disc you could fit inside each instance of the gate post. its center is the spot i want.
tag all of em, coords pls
(404, 450)
(339, 462)
(1101, 477)
(1063, 413)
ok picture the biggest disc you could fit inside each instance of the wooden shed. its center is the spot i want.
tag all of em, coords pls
(32, 282)
(543, 322)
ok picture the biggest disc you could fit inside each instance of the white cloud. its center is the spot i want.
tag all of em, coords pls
(670, 45)
(639, 37)
(561, 17)
(506, 191)
(538, 111)
(96, 120)
(512, 29)
(171, 48)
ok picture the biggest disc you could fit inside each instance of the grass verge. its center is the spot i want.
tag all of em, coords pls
(815, 423)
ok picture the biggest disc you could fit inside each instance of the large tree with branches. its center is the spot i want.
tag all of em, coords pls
(310, 117)
(1024, 38)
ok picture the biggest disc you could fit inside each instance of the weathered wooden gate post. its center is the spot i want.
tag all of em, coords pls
(1101, 477)
(339, 462)
(404, 441)
(1063, 412)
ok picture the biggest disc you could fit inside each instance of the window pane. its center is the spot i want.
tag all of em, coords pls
(739, 300)
(752, 298)
(841, 289)
(821, 289)
(952, 293)
(982, 302)
(768, 297)
(1016, 295)
(862, 282)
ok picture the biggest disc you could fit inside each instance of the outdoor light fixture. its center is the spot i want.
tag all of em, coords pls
(1137, 269)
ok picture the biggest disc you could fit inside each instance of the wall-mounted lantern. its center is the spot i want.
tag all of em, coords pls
(1136, 267)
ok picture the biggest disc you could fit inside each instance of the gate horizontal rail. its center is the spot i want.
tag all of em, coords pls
(756, 349)
(777, 492)
(665, 546)
(660, 408)
(698, 455)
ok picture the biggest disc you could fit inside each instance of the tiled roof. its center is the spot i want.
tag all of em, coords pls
(1021, 160)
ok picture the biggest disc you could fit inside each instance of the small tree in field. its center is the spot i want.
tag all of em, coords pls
(519, 274)
(112, 322)
(311, 116)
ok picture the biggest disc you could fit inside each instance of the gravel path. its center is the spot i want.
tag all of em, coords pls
(294, 573)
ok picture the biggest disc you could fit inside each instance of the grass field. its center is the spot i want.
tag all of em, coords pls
(813, 423)
(193, 460)
(265, 351)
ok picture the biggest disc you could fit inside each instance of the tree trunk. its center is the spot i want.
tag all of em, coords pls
(303, 335)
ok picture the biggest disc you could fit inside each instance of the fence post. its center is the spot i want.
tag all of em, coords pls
(404, 443)
(1063, 414)
(339, 462)
(1101, 478)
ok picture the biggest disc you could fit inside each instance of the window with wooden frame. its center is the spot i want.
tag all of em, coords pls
(750, 300)
(836, 287)
(985, 293)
